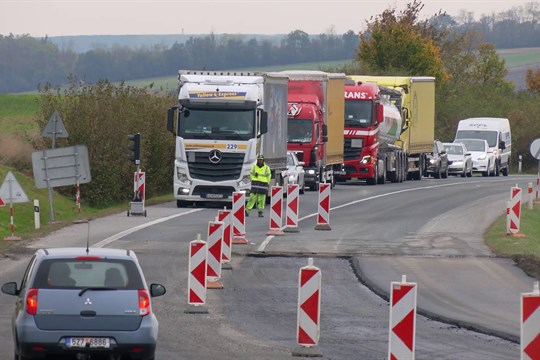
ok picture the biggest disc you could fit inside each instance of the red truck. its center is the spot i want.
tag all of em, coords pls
(315, 123)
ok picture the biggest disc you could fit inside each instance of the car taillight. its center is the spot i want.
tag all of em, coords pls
(32, 301)
(144, 303)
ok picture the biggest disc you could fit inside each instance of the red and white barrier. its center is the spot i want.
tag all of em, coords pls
(323, 213)
(508, 217)
(309, 310)
(197, 272)
(293, 204)
(515, 209)
(402, 320)
(78, 198)
(530, 324)
(226, 253)
(530, 199)
(239, 218)
(213, 262)
(138, 186)
(537, 185)
(276, 211)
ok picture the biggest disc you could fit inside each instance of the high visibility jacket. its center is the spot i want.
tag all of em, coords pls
(260, 178)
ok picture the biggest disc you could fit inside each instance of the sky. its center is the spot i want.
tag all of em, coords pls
(133, 17)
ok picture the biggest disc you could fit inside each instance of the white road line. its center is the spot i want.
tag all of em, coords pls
(269, 238)
(120, 235)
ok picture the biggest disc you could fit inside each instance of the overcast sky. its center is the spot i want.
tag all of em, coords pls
(120, 17)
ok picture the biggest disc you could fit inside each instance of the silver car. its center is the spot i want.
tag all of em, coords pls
(459, 159)
(483, 159)
(84, 302)
(295, 171)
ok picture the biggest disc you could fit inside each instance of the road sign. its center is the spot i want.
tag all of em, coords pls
(61, 167)
(535, 149)
(55, 127)
(11, 191)
(2, 203)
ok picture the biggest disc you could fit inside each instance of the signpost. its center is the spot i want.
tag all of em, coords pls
(12, 191)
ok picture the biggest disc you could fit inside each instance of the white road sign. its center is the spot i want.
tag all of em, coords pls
(11, 191)
(535, 149)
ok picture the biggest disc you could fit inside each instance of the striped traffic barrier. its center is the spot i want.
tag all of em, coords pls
(402, 327)
(226, 253)
(530, 199)
(309, 311)
(293, 204)
(197, 277)
(508, 217)
(537, 185)
(515, 209)
(276, 211)
(213, 262)
(323, 213)
(239, 218)
(530, 324)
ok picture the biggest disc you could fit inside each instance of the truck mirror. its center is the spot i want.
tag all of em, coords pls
(263, 129)
(170, 118)
(380, 113)
(502, 145)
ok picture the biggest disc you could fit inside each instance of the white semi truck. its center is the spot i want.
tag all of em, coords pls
(222, 122)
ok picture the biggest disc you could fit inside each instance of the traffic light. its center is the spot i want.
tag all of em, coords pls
(135, 148)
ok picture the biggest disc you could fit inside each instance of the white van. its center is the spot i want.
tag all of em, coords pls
(496, 131)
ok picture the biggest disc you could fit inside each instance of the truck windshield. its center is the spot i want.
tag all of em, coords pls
(489, 136)
(217, 124)
(299, 131)
(358, 114)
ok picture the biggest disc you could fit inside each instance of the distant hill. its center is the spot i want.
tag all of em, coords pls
(84, 43)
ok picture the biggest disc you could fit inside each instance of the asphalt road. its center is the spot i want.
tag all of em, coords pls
(429, 230)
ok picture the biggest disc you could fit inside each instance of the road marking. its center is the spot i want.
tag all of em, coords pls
(120, 235)
(265, 243)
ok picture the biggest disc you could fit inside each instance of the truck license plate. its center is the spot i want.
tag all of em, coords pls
(214, 196)
(92, 342)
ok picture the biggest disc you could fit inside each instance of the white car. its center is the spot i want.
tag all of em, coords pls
(482, 157)
(295, 171)
(459, 159)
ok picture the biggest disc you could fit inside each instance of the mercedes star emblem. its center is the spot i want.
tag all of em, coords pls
(215, 156)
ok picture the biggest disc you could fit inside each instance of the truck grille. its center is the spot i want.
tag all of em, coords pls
(228, 168)
(350, 153)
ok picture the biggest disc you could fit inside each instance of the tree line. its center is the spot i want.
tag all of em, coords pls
(26, 62)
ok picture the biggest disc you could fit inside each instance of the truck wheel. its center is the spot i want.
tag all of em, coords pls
(181, 203)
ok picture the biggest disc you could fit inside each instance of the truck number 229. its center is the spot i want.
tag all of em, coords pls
(232, 146)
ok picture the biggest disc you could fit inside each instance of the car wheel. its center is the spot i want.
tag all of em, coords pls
(181, 203)
(437, 174)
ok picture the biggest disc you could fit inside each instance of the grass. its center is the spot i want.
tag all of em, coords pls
(514, 60)
(17, 112)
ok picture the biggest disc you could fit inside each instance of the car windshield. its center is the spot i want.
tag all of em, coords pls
(80, 274)
(454, 149)
(474, 145)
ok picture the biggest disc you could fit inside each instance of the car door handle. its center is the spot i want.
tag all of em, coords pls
(88, 313)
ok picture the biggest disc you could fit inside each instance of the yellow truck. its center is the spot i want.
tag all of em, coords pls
(414, 96)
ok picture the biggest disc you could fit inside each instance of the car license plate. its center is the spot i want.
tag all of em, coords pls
(214, 196)
(92, 342)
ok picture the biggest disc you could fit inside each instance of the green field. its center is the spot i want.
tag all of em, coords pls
(17, 112)
(516, 58)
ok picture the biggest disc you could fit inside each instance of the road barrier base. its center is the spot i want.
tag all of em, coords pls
(275, 232)
(196, 309)
(214, 284)
(12, 238)
(291, 229)
(322, 227)
(226, 266)
(517, 235)
(304, 351)
(241, 240)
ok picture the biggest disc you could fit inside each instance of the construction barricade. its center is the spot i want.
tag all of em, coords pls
(530, 324)
(226, 253)
(515, 210)
(402, 327)
(213, 261)
(197, 277)
(293, 206)
(309, 311)
(276, 211)
(239, 218)
(323, 213)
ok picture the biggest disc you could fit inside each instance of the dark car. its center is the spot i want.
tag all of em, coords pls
(77, 302)
(437, 161)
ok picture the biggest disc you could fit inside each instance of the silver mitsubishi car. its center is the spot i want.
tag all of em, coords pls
(84, 303)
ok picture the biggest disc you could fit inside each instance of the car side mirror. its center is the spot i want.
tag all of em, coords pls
(468, 154)
(502, 145)
(10, 288)
(157, 290)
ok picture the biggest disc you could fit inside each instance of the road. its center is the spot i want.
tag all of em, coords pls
(429, 230)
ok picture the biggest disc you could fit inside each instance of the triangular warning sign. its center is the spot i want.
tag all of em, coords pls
(55, 127)
(11, 191)
(2, 203)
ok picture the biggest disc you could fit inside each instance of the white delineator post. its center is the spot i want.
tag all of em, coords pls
(197, 276)
(239, 218)
(37, 220)
(213, 265)
(515, 209)
(226, 254)
(530, 199)
(402, 327)
(309, 311)
(276, 211)
(537, 185)
(293, 205)
(530, 324)
(323, 213)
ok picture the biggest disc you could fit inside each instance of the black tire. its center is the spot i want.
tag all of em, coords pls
(437, 174)
(181, 203)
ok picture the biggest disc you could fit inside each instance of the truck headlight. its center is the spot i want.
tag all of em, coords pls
(432, 161)
(182, 176)
(365, 159)
(311, 172)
